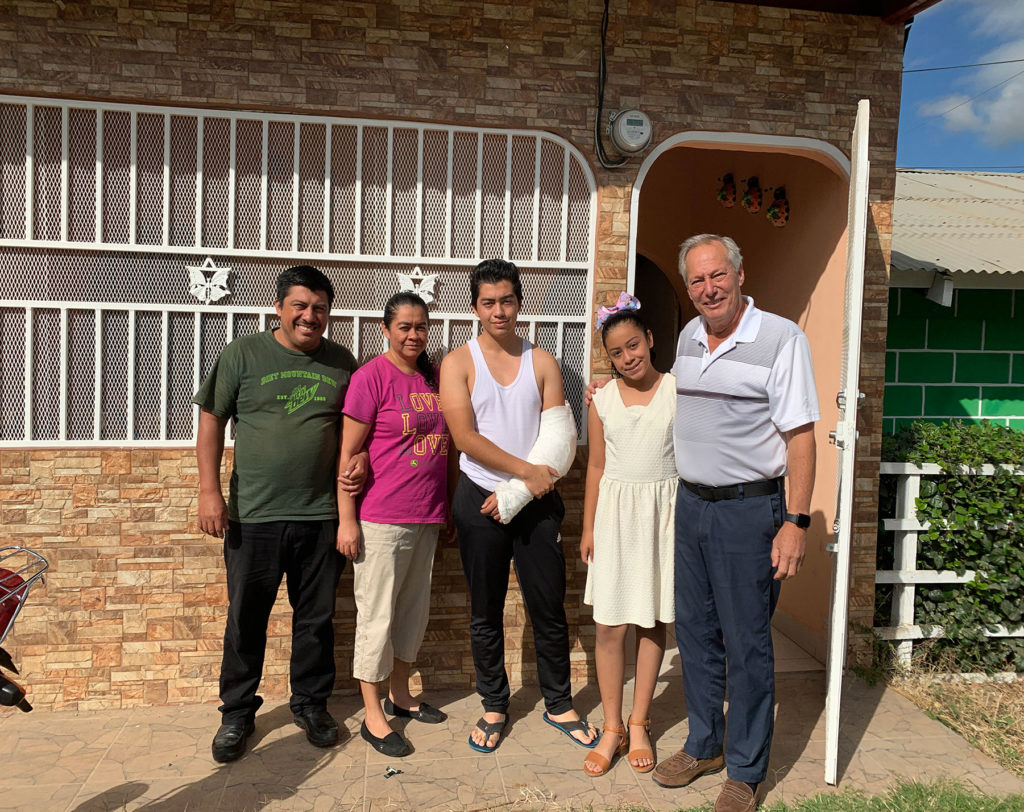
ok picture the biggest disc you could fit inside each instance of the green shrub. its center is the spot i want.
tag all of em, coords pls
(975, 523)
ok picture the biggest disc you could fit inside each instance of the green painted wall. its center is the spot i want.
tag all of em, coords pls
(964, 361)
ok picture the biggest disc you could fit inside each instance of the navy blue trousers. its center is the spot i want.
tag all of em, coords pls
(725, 595)
(257, 556)
(532, 542)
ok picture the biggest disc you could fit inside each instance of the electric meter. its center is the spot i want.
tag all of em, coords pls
(631, 131)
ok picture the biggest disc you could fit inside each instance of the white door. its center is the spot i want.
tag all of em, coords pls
(845, 434)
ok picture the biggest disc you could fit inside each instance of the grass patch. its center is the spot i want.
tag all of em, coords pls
(987, 714)
(905, 796)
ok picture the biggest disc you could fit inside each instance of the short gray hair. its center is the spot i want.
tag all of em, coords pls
(735, 257)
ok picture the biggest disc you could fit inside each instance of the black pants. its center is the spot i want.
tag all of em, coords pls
(257, 555)
(532, 541)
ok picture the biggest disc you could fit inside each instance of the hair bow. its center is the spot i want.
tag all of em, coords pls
(625, 302)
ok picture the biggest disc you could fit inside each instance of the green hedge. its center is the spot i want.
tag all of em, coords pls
(975, 523)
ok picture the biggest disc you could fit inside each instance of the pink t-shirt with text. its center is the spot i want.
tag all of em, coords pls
(408, 444)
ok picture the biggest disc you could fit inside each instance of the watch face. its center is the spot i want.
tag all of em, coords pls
(801, 520)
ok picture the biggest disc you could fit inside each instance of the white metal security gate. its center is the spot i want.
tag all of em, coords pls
(136, 241)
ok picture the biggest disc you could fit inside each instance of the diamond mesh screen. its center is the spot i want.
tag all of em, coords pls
(182, 214)
(82, 175)
(46, 375)
(12, 382)
(46, 180)
(149, 179)
(280, 182)
(216, 163)
(312, 146)
(117, 163)
(222, 191)
(12, 170)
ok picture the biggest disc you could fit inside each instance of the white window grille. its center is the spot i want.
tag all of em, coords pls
(104, 207)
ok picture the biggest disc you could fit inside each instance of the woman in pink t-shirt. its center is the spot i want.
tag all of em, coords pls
(392, 409)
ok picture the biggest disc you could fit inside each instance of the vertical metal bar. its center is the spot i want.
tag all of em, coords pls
(62, 384)
(558, 341)
(99, 176)
(64, 190)
(448, 197)
(533, 331)
(536, 199)
(264, 180)
(358, 207)
(133, 179)
(97, 375)
(232, 159)
(229, 327)
(29, 380)
(327, 187)
(479, 189)
(130, 372)
(356, 338)
(167, 180)
(30, 169)
(564, 250)
(165, 370)
(197, 354)
(508, 196)
(295, 185)
(419, 192)
(263, 320)
(388, 193)
(447, 335)
(200, 124)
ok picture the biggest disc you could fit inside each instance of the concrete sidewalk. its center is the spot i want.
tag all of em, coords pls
(159, 758)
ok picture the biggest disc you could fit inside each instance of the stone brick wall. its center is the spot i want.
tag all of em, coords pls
(132, 610)
(965, 361)
(134, 606)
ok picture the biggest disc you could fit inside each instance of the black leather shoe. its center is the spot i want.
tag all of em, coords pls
(320, 727)
(391, 745)
(424, 713)
(229, 742)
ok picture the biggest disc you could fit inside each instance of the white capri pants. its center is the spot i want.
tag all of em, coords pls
(392, 590)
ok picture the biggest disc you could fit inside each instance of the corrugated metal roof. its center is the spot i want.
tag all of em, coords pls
(958, 221)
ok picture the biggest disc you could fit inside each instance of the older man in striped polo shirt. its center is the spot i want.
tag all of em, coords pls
(746, 407)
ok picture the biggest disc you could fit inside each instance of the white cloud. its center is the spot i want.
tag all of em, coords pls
(981, 103)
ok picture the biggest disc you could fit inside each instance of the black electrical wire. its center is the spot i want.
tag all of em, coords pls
(602, 75)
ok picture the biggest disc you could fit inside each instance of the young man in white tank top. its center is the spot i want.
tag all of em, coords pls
(493, 390)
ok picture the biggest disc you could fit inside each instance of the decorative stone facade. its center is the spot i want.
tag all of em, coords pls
(132, 611)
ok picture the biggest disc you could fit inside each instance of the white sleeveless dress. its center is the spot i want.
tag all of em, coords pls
(630, 579)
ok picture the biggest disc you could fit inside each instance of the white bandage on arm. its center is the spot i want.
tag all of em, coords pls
(555, 446)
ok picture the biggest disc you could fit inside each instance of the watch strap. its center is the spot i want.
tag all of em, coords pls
(801, 520)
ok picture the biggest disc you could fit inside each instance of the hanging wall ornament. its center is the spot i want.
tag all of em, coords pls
(727, 194)
(778, 211)
(752, 197)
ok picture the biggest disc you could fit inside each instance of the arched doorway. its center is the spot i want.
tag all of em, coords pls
(797, 271)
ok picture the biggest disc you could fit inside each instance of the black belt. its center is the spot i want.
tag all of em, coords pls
(762, 487)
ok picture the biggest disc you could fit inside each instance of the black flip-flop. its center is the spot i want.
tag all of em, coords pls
(424, 713)
(489, 728)
(568, 728)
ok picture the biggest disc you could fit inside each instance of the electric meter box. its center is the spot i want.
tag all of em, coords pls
(631, 131)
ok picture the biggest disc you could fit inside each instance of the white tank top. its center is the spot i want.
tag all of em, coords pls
(508, 416)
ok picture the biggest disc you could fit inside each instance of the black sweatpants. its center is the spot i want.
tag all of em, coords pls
(533, 543)
(256, 556)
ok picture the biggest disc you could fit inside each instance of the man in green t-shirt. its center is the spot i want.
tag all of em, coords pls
(283, 391)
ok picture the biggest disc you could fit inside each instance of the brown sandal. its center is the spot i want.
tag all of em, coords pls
(641, 752)
(599, 761)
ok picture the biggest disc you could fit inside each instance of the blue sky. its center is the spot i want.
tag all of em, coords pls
(947, 119)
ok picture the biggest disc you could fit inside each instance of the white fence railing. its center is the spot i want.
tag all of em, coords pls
(905, 577)
(100, 374)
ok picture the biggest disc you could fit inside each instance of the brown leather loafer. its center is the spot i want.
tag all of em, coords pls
(737, 797)
(682, 769)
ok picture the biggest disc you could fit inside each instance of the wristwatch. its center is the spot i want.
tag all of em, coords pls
(801, 520)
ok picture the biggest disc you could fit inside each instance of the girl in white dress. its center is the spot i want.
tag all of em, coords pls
(628, 529)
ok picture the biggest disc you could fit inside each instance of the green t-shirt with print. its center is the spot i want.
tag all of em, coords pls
(286, 410)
